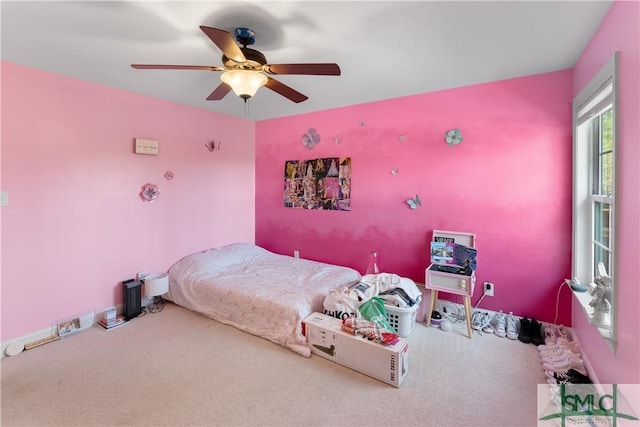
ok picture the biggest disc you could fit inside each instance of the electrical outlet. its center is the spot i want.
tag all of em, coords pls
(488, 289)
(296, 254)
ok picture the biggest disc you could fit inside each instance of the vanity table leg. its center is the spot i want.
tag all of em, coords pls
(467, 311)
(432, 306)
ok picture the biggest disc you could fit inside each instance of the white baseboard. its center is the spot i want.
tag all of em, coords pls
(34, 336)
(53, 330)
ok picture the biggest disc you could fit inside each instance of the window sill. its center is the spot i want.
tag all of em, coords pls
(605, 327)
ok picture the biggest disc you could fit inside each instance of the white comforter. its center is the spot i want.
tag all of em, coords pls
(255, 290)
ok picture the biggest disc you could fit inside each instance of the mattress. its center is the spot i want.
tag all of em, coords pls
(255, 290)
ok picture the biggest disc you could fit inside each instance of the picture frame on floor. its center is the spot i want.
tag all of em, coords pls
(67, 327)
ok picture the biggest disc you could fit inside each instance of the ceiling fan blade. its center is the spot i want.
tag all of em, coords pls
(176, 67)
(225, 42)
(285, 90)
(327, 69)
(219, 92)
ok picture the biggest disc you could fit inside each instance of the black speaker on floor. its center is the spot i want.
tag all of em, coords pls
(132, 302)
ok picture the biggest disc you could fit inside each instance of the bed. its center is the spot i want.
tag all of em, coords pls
(255, 290)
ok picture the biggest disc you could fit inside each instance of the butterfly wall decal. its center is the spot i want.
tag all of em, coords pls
(414, 203)
(311, 138)
(213, 145)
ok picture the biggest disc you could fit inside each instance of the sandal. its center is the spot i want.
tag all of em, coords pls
(550, 336)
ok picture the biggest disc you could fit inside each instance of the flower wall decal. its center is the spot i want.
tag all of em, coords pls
(149, 193)
(311, 138)
(168, 175)
(453, 137)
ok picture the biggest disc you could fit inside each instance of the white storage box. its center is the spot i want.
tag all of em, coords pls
(402, 319)
(327, 339)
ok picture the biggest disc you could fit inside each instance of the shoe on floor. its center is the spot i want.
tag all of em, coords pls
(512, 329)
(567, 354)
(559, 351)
(481, 322)
(476, 320)
(578, 378)
(559, 346)
(550, 336)
(571, 376)
(565, 365)
(536, 333)
(501, 329)
(486, 323)
(562, 333)
(525, 331)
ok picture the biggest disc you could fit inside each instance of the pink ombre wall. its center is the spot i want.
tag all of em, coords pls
(509, 182)
(619, 32)
(75, 225)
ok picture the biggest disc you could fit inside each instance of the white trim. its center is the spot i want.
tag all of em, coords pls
(590, 108)
(53, 330)
(585, 104)
(34, 336)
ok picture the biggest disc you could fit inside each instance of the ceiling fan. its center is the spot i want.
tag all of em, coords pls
(246, 69)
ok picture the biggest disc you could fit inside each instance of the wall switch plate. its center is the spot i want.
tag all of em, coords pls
(4, 198)
(146, 146)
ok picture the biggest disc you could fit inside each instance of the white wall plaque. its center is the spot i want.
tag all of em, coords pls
(146, 146)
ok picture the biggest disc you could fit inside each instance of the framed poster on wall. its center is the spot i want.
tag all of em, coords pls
(318, 184)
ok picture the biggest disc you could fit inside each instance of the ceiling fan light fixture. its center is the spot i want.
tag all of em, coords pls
(245, 69)
(244, 83)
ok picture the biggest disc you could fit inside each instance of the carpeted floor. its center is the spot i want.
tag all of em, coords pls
(177, 368)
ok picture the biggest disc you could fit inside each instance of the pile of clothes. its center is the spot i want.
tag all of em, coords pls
(361, 305)
(396, 291)
(370, 330)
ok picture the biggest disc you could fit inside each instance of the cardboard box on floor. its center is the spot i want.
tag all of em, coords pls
(327, 339)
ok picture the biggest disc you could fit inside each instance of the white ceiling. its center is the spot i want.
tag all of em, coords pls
(386, 49)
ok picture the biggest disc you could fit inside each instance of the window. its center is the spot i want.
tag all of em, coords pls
(601, 198)
(594, 163)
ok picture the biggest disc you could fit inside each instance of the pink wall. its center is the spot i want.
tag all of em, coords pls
(619, 32)
(509, 182)
(75, 225)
